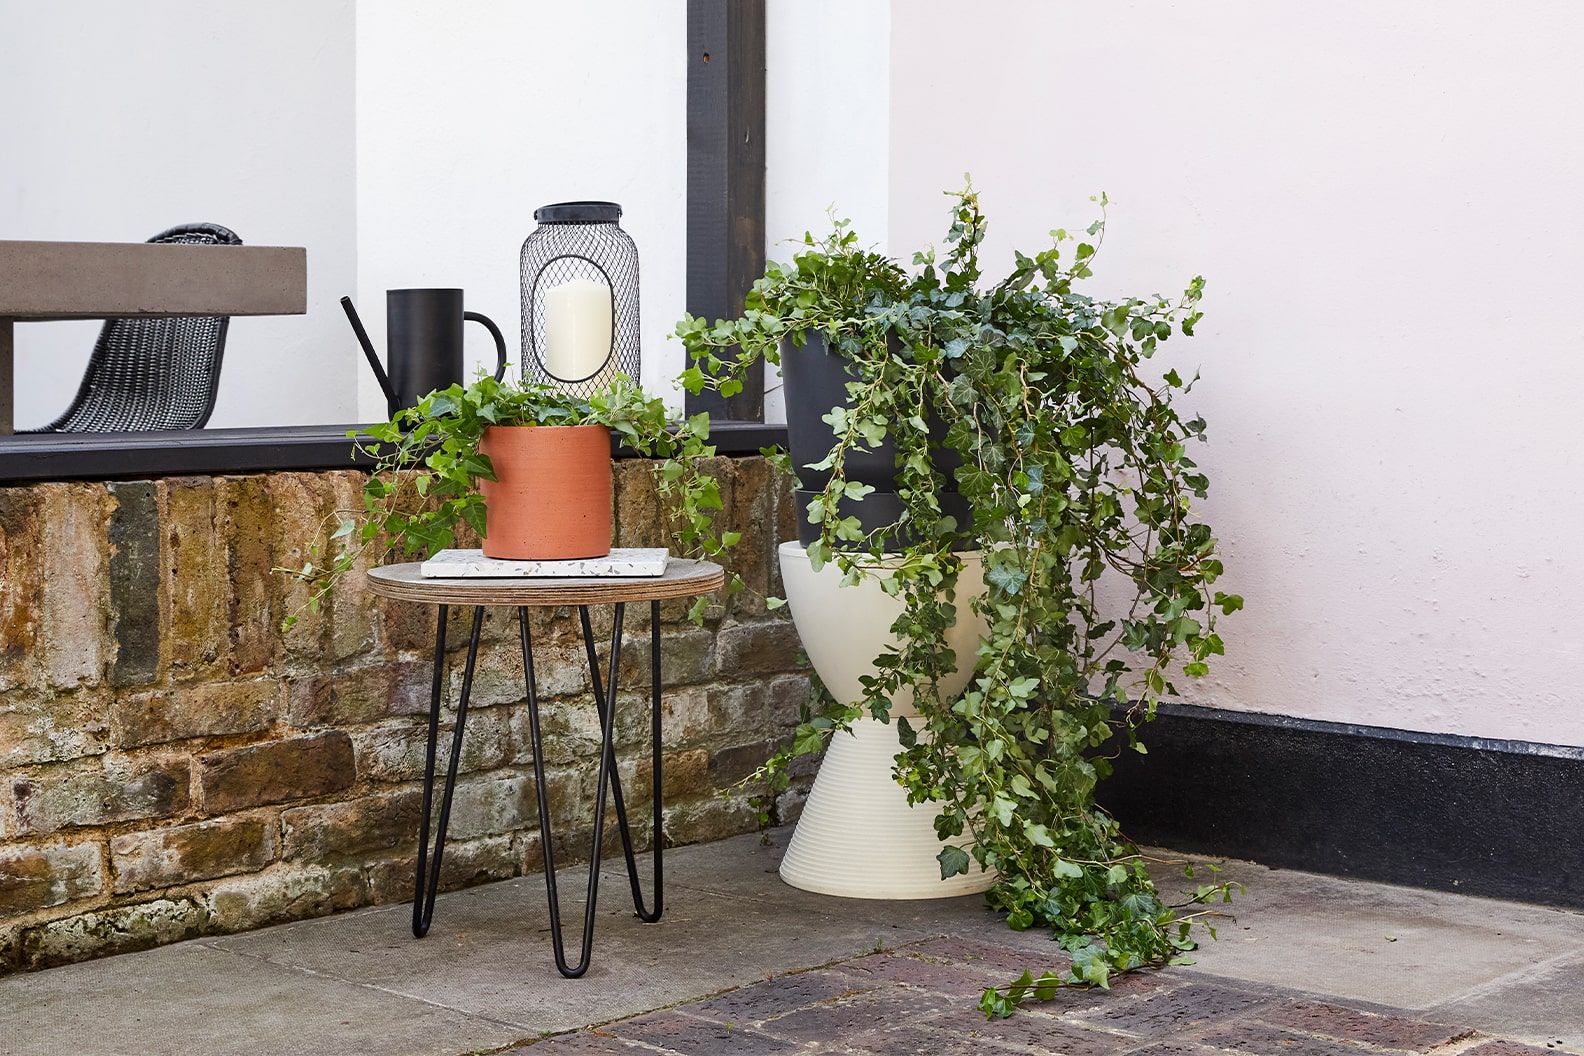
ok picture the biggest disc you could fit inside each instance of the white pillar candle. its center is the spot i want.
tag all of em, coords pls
(577, 328)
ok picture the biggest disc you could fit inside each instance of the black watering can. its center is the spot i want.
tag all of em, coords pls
(423, 329)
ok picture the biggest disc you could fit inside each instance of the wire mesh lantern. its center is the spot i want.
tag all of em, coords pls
(579, 298)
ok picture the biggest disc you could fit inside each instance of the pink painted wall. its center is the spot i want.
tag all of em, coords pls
(1388, 202)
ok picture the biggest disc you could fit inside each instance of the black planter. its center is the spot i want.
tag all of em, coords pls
(816, 380)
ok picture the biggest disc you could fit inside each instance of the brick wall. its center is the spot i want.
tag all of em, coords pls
(172, 765)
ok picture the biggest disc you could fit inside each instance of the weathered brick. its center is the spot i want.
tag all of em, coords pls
(789, 806)
(184, 854)
(396, 753)
(135, 583)
(21, 586)
(351, 609)
(283, 892)
(493, 806)
(362, 695)
(729, 765)
(570, 729)
(1507, 1048)
(758, 1002)
(756, 706)
(106, 931)
(785, 516)
(1180, 1008)
(560, 670)
(402, 626)
(639, 520)
(39, 877)
(247, 527)
(709, 818)
(686, 715)
(370, 826)
(1029, 1029)
(464, 863)
(169, 595)
(995, 961)
(101, 792)
(750, 512)
(300, 768)
(1336, 1021)
(683, 775)
(75, 607)
(186, 710)
(44, 726)
(193, 560)
(302, 510)
(767, 647)
(911, 1039)
(1256, 1037)
(479, 861)
(679, 1032)
(963, 980)
(849, 1017)
(686, 658)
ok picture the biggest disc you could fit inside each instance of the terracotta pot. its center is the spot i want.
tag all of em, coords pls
(551, 499)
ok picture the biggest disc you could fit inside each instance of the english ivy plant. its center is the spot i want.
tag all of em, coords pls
(1100, 581)
(427, 466)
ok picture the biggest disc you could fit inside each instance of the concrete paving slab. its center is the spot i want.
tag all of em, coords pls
(1545, 1003)
(199, 1001)
(1396, 946)
(488, 951)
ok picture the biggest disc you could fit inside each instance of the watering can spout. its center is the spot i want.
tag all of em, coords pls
(373, 357)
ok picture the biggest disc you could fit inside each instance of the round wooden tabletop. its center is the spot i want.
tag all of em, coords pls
(682, 579)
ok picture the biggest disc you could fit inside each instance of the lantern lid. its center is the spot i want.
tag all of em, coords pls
(578, 213)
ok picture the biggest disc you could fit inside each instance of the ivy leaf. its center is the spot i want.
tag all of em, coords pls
(953, 860)
(1006, 577)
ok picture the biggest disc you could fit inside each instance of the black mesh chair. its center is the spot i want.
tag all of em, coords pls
(150, 374)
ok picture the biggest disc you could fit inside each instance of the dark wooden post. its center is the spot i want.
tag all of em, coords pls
(726, 175)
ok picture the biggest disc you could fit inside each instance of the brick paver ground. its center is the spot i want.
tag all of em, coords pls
(920, 998)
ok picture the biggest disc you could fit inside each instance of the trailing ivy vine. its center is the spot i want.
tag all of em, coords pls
(1100, 581)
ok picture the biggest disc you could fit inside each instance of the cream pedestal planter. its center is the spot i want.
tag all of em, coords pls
(858, 836)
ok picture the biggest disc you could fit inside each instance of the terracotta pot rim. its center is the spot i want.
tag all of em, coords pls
(590, 425)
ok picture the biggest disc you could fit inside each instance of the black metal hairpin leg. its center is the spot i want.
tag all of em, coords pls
(605, 702)
(606, 706)
(644, 914)
(428, 879)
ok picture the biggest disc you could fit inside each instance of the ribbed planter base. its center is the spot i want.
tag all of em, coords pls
(858, 837)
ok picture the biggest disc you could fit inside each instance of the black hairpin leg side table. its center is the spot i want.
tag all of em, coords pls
(683, 579)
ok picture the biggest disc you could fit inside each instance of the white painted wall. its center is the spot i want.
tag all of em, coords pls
(1388, 202)
(124, 119)
(827, 116)
(466, 124)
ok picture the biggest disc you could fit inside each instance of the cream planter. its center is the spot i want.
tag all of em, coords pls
(858, 836)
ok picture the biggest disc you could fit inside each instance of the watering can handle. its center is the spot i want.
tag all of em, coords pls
(500, 342)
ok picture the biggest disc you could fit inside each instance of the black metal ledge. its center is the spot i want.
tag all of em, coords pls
(199, 452)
